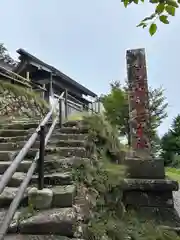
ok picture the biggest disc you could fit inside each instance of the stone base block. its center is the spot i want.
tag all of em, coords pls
(161, 185)
(161, 215)
(40, 199)
(147, 168)
(148, 199)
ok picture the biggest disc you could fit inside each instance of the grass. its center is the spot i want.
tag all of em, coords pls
(101, 178)
(173, 173)
(27, 95)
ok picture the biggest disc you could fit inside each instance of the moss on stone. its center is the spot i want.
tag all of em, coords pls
(17, 101)
(99, 183)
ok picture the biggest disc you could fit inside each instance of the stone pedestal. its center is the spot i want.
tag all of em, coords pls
(148, 191)
(145, 168)
(40, 199)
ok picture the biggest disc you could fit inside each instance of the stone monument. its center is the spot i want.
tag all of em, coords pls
(139, 118)
(146, 187)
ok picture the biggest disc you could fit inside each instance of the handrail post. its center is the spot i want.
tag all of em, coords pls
(60, 113)
(66, 104)
(41, 158)
(99, 107)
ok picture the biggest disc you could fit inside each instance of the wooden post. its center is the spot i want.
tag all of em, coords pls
(27, 75)
(139, 119)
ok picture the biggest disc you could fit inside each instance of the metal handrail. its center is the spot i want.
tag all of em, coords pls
(15, 203)
(12, 168)
(38, 160)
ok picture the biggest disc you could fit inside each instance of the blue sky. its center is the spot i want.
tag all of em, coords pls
(87, 40)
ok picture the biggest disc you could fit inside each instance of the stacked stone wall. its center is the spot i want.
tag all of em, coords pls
(16, 101)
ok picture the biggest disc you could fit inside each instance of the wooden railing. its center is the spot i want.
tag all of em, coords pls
(4, 72)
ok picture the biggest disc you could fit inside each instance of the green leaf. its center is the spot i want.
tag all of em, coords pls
(149, 18)
(126, 2)
(154, 1)
(171, 10)
(142, 24)
(153, 29)
(178, 1)
(172, 3)
(160, 8)
(163, 19)
(136, 1)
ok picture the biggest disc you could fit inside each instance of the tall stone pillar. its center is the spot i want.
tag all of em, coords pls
(139, 118)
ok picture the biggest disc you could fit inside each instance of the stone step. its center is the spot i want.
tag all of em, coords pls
(7, 155)
(8, 195)
(72, 130)
(37, 237)
(12, 139)
(69, 136)
(61, 151)
(16, 179)
(148, 198)
(63, 196)
(73, 123)
(68, 143)
(9, 146)
(13, 133)
(55, 179)
(19, 125)
(54, 221)
(49, 179)
(23, 167)
(55, 163)
(161, 185)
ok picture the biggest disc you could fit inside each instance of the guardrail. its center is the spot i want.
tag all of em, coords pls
(38, 160)
(19, 79)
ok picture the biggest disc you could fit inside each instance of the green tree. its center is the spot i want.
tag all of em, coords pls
(117, 109)
(170, 144)
(5, 57)
(162, 10)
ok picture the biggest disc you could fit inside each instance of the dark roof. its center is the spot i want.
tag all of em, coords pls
(56, 72)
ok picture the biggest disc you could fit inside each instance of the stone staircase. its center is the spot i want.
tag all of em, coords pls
(65, 146)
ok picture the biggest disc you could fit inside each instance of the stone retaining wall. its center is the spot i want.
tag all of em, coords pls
(16, 101)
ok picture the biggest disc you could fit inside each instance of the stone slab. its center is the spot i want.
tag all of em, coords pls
(7, 196)
(9, 146)
(69, 143)
(63, 196)
(13, 139)
(161, 185)
(62, 151)
(19, 125)
(65, 136)
(8, 155)
(147, 169)
(55, 179)
(148, 199)
(23, 167)
(162, 215)
(54, 162)
(37, 237)
(54, 221)
(13, 133)
(76, 130)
